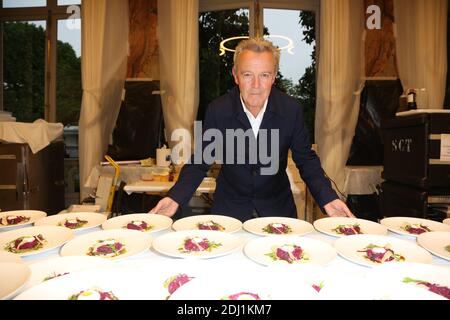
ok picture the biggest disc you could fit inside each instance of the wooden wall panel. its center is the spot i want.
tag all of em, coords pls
(143, 59)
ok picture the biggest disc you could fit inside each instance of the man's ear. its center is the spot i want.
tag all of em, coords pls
(235, 76)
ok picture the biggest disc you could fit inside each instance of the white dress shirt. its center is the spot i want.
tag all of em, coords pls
(255, 122)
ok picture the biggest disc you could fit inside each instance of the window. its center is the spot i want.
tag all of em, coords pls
(290, 25)
(41, 70)
(215, 70)
(24, 69)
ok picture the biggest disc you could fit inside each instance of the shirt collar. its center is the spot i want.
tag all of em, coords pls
(248, 113)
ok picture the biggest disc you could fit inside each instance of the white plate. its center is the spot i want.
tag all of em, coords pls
(446, 221)
(229, 224)
(157, 221)
(34, 215)
(348, 248)
(247, 285)
(436, 243)
(55, 237)
(172, 244)
(134, 241)
(93, 220)
(61, 266)
(391, 274)
(318, 252)
(13, 276)
(327, 226)
(9, 257)
(124, 283)
(395, 224)
(298, 227)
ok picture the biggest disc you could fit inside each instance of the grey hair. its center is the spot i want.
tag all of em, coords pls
(258, 45)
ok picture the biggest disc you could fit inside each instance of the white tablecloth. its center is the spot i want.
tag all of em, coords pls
(151, 260)
(362, 179)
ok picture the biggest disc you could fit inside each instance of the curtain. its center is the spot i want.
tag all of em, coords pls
(104, 63)
(179, 70)
(339, 83)
(421, 44)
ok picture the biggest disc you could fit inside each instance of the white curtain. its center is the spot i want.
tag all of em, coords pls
(421, 44)
(178, 60)
(104, 61)
(339, 83)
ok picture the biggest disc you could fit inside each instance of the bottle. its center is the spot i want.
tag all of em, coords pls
(411, 100)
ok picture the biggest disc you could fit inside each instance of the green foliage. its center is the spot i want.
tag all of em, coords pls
(23, 70)
(24, 74)
(68, 86)
(215, 71)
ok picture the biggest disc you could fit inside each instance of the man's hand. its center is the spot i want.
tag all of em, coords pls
(166, 207)
(338, 208)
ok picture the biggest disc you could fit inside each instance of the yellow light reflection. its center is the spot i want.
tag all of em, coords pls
(288, 47)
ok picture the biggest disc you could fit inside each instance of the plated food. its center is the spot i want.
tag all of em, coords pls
(413, 226)
(438, 243)
(341, 227)
(197, 243)
(376, 250)
(144, 222)
(19, 218)
(430, 278)
(13, 277)
(73, 220)
(117, 283)
(109, 244)
(287, 250)
(246, 285)
(208, 222)
(61, 266)
(277, 226)
(34, 240)
(94, 293)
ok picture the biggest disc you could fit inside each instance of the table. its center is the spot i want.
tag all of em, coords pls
(362, 179)
(227, 265)
(131, 175)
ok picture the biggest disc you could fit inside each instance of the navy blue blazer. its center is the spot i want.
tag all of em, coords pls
(241, 188)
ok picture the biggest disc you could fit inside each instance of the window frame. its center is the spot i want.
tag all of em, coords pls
(50, 13)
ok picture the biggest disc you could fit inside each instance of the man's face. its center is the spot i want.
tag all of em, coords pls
(254, 74)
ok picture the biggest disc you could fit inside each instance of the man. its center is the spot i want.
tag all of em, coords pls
(243, 190)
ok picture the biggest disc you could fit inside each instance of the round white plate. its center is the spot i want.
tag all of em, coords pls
(395, 224)
(318, 252)
(298, 227)
(229, 224)
(348, 248)
(446, 221)
(13, 276)
(436, 242)
(157, 221)
(55, 237)
(412, 274)
(124, 283)
(61, 266)
(134, 241)
(327, 226)
(9, 257)
(93, 220)
(172, 244)
(34, 216)
(246, 285)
